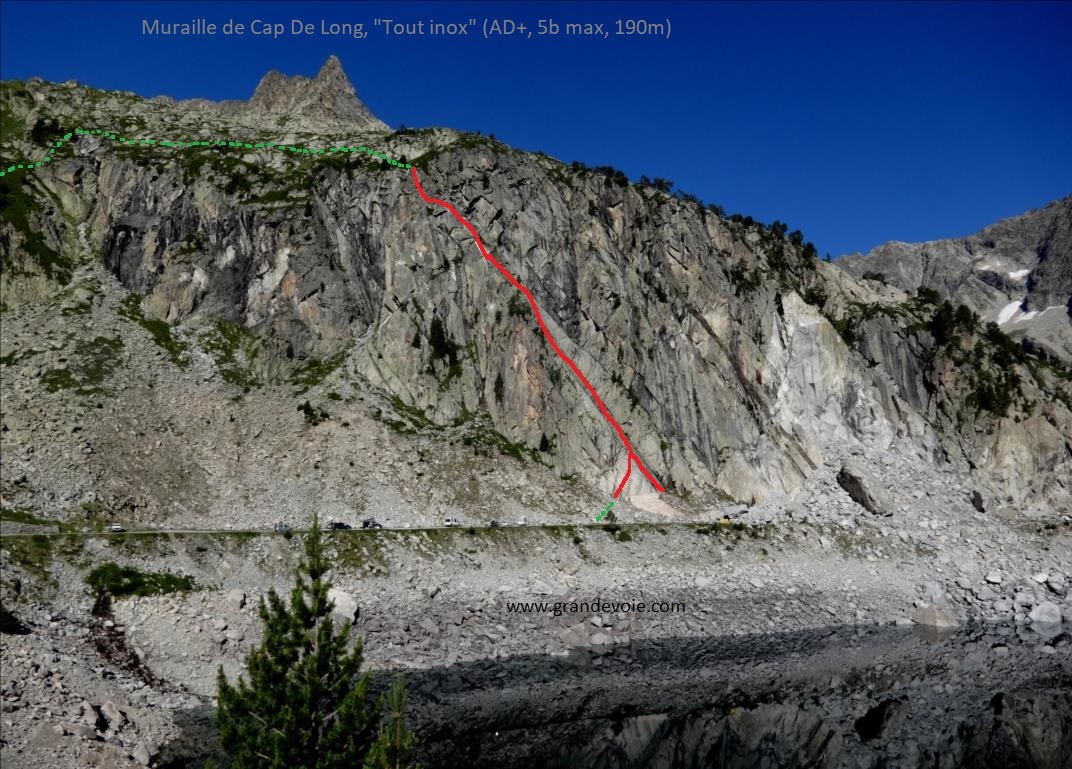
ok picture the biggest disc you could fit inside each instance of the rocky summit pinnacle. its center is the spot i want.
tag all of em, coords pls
(328, 98)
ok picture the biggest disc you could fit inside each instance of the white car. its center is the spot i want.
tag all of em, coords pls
(450, 521)
(115, 528)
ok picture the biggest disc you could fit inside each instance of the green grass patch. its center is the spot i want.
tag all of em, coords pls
(32, 553)
(94, 360)
(118, 581)
(463, 141)
(176, 349)
(486, 442)
(233, 347)
(17, 206)
(314, 371)
(14, 357)
(275, 196)
(10, 125)
(412, 419)
(22, 515)
(359, 549)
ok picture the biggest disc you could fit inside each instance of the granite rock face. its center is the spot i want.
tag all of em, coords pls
(720, 345)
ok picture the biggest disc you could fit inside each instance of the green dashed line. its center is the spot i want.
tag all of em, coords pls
(184, 145)
(604, 511)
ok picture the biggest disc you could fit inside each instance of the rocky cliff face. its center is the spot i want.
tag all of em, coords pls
(1017, 272)
(327, 99)
(735, 361)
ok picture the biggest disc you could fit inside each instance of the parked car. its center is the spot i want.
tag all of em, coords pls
(370, 523)
(339, 525)
(523, 522)
(495, 524)
(450, 521)
(115, 528)
(282, 527)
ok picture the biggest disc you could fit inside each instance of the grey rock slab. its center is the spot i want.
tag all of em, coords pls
(346, 608)
(1046, 612)
(141, 754)
(934, 616)
(115, 716)
(864, 488)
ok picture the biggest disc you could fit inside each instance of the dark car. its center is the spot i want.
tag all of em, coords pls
(495, 524)
(282, 527)
(371, 523)
(339, 525)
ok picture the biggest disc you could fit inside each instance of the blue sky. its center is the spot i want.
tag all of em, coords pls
(855, 122)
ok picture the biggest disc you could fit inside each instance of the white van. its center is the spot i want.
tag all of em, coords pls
(450, 521)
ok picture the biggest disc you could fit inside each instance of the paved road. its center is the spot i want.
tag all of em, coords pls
(463, 527)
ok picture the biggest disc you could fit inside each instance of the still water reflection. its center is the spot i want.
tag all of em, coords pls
(989, 696)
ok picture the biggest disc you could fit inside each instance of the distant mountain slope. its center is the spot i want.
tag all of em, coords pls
(1017, 272)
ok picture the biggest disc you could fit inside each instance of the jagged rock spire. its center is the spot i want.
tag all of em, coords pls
(329, 98)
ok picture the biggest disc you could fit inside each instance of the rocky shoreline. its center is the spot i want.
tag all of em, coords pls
(434, 603)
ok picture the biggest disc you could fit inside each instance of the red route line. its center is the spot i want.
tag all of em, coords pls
(631, 457)
(628, 469)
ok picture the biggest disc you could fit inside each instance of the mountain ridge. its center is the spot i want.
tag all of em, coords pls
(1016, 272)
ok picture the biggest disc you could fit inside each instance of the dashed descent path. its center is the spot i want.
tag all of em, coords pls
(631, 456)
(277, 146)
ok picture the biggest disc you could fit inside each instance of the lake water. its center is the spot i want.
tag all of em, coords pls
(988, 696)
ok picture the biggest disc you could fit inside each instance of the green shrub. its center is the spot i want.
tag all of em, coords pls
(928, 295)
(814, 295)
(118, 581)
(847, 328)
(745, 281)
(313, 371)
(943, 325)
(313, 416)
(966, 319)
(443, 345)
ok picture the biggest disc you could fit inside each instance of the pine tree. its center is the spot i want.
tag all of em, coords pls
(304, 705)
(395, 744)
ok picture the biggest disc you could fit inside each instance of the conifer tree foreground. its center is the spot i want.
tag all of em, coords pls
(305, 704)
(395, 743)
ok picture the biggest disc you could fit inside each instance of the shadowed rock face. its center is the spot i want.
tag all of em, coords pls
(1025, 260)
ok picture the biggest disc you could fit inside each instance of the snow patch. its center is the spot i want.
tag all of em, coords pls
(1008, 312)
(1019, 274)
